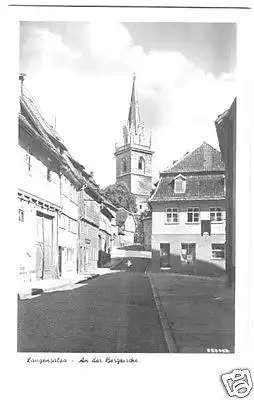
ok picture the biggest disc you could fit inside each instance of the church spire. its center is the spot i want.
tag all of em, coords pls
(134, 113)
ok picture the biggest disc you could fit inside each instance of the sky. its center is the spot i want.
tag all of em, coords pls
(80, 74)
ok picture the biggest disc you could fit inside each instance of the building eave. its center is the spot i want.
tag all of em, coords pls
(165, 200)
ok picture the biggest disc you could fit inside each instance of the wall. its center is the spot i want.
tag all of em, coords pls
(68, 228)
(184, 232)
(128, 238)
(203, 248)
(89, 212)
(114, 235)
(226, 132)
(35, 181)
(90, 209)
(105, 224)
(119, 160)
(26, 243)
(141, 186)
(39, 182)
(140, 181)
(89, 247)
(183, 227)
(135, 156)
(147, 227)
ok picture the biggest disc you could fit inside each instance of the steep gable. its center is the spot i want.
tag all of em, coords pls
(203, 173)
(204, 158)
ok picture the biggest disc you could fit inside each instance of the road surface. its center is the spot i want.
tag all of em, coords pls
(114, 313)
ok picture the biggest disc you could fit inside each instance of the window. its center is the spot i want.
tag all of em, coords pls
(141, 164)
(205, 227)
(124, 165)
(21, 215)
(180, 184)
(216, 214)
(86, 230)
(172, 215)
(65, 186)
(28, 160)
(193, 214)
(140, 206)
(48, 175)
(73, 193)
(218, 251)
(188, 252)
(72, 225)
(63, 221)
(70, 254)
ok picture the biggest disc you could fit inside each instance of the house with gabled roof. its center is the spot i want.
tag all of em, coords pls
(126, 223)
(48, 185)
(188, 214)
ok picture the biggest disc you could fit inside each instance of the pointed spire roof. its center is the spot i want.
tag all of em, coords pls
(134, 113)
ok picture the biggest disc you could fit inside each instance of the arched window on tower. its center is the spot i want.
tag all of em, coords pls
(141, 164)
(124, 166)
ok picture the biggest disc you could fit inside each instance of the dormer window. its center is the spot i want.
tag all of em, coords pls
(179, 184)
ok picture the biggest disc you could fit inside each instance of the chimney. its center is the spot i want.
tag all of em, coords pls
(22, 78)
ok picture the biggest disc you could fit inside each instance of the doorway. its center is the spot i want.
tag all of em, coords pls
(188, 253)
(164, 255)
(44, 245)
(60, 260)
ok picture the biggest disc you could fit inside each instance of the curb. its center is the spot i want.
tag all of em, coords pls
(168, 333)
(37, 291)
(199, 277)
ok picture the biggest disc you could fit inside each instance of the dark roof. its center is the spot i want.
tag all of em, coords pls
(38, 135)
(37, 119)
(225, 127)
(203, 158)
(198, 186)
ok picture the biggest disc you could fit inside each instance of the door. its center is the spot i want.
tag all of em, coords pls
(39, 247)
(164, 254)
(48, 246)
(60, 260)
(44, 246)
(188, 253)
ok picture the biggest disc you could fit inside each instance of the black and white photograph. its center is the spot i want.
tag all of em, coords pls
(128, 216)
(126, 187)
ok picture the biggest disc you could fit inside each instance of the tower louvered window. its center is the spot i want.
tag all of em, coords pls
(124, 166)
(141, 164)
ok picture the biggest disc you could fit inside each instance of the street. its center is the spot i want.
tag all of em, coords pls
(112, 313)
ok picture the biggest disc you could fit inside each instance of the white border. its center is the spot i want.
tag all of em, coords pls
(176, 376)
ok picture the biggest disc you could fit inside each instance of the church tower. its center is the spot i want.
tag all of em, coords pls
(134, 155)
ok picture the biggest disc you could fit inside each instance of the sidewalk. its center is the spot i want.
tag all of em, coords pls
(30, 289)
(199, 312)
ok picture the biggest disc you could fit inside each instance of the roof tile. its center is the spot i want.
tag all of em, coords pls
(203, 158)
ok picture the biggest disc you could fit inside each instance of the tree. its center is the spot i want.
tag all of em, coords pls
(139, 234)
(120, 195)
